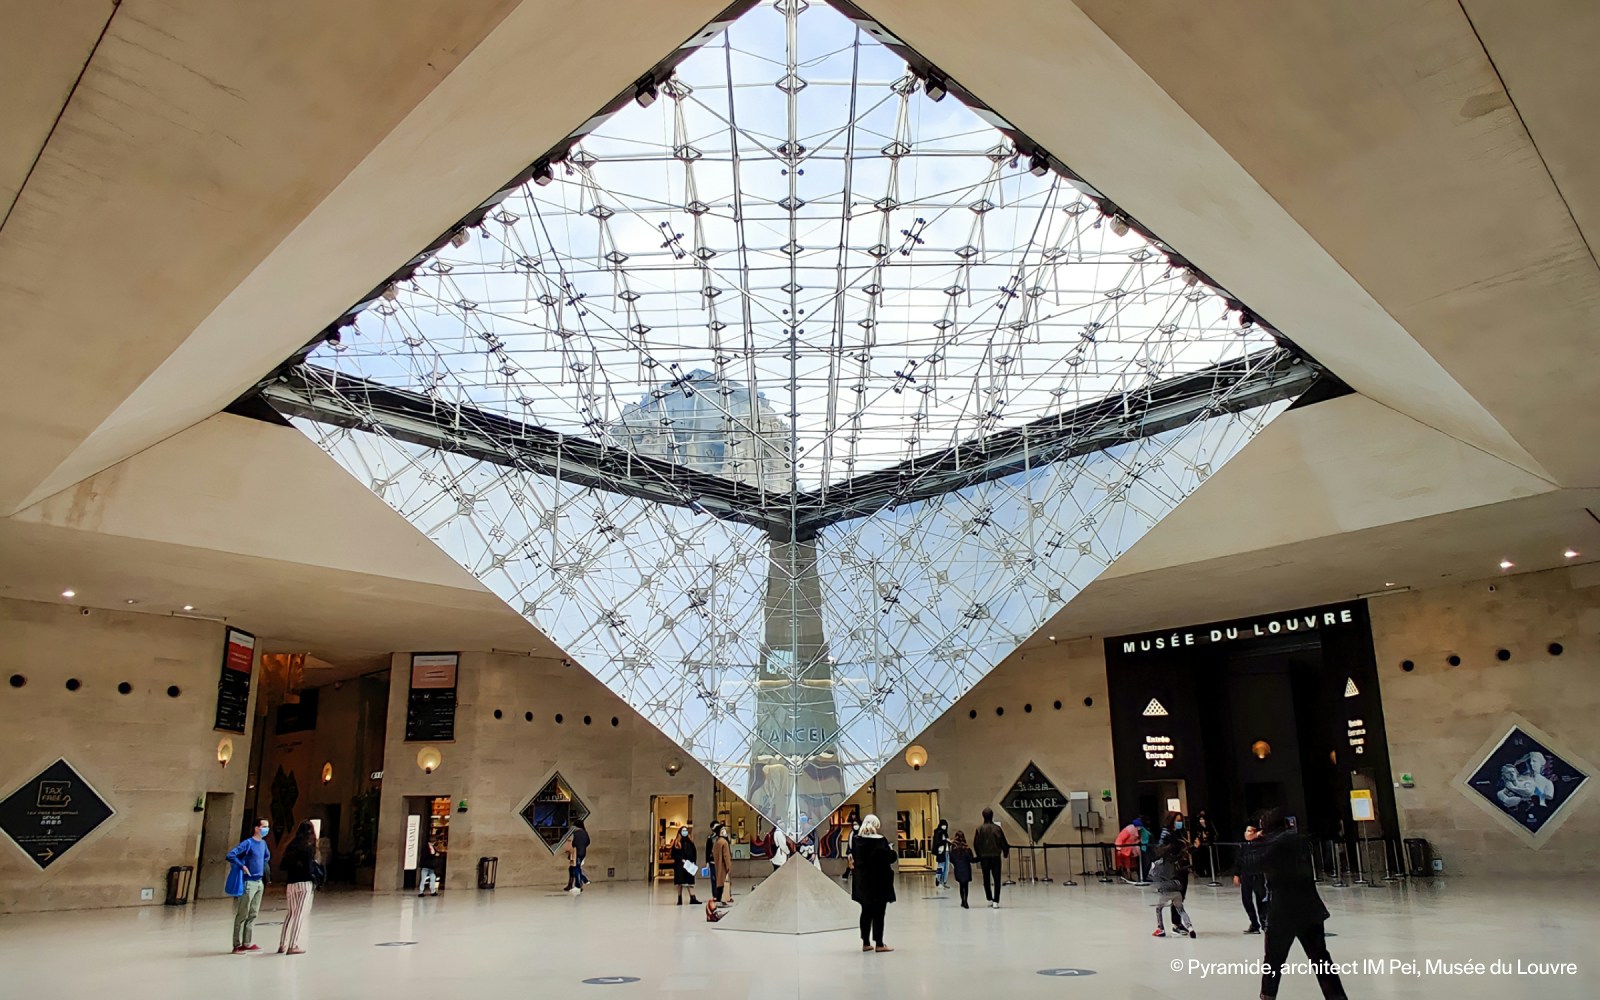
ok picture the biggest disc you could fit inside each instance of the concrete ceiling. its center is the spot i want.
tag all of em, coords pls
(227, 178)
(192, 189)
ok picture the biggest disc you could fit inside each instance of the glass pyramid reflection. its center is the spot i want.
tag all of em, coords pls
(790, 399)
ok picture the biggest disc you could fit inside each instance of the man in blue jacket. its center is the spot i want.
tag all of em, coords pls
(247, 869)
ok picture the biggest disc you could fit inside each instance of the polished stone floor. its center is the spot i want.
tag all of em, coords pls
(522, 943)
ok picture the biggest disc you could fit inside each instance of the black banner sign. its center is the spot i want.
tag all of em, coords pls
(1034, 793)
(233, 686)
(50, 814)
(431, 703)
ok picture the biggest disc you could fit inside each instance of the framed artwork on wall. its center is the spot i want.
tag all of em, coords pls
(1526, 779)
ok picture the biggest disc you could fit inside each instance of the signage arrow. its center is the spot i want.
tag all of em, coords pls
(45, 855)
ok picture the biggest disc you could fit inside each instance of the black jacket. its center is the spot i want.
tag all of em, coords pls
(1249, 865)
(990, 842)
(1292, 893)
(941, 842)
(873, 881)
(296, 864)
(580, 842)
(683, 850)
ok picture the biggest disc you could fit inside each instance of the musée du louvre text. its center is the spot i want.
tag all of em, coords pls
(1262, 629)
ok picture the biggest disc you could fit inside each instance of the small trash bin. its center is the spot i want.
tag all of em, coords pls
(1419, 858)
(179, 880)
(488, 868)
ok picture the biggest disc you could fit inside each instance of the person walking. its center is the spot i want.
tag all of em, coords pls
(303, 874)
(1294, 910)
(961, 862)
(428, 867)
(989, 844)
(873, 884)
(1168, 892)
(1252, 884)
(941, 854)
(722, 867)
(1174, 843)
(580, 850)
(247, 870)
(685, 865)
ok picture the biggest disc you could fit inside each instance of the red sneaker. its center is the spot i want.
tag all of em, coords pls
(252, 947)
(1158, 932)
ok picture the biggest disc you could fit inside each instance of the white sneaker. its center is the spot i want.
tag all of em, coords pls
(993, 905)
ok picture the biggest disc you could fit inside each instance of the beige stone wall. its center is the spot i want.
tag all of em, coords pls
(498, 764)
(149, 755)
(1440, 716)
(973, 762)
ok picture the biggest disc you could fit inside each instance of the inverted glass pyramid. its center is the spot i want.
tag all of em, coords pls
(790, 399)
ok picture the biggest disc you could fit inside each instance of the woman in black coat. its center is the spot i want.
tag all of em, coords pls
(872, 885)
(685, 864)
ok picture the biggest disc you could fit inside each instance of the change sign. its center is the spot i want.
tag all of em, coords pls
(51, 813)
(1034, 793)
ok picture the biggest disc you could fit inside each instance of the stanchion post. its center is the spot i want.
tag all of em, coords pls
(1212, 850)
(1338, 875)
(1388, 868)
(1361, 861)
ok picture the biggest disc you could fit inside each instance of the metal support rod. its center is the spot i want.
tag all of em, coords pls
(1212, 850)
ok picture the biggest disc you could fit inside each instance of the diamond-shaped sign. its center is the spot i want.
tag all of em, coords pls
(800, 536)
(52, 812)
(551, 812)
(1034, 801)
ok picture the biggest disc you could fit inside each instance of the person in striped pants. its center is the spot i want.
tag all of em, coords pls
(300, 870)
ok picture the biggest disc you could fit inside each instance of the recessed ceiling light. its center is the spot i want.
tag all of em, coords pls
(1506, 564)
(132, 601)
(188, 607)
(69, 593)
(1388, 583)
(1572, 553)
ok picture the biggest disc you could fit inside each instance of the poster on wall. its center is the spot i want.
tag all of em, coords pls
(233, 684)
(1526, 780)
(1034, 793)
(431, 703)
(52, 812)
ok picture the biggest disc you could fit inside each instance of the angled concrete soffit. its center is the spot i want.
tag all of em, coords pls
(790, 394)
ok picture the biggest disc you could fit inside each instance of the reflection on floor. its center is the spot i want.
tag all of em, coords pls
(517, 943)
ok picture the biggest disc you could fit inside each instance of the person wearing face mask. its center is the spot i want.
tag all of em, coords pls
(247, 870)
(1251, 882)
(685, 865)
(1173, 845)
(941, 854)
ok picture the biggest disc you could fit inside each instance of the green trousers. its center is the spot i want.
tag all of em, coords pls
(245, 910)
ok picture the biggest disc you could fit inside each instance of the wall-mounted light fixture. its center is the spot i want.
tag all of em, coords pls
(1261, 748)
(916, 756)
(673, 766)
(327, 772)
(429, 759)
(225, 750)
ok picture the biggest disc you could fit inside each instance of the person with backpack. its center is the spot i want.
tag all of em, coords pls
(961, 861)
(304, 876)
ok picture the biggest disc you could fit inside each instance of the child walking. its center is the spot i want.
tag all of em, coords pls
(961, 863)
(1168, 889)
